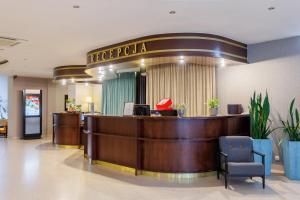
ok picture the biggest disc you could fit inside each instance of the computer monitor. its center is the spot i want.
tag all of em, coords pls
(165, 112)
(141, 110)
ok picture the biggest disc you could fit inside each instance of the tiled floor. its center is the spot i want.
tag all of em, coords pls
(35, 170)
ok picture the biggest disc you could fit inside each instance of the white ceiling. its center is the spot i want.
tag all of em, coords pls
(58, 34)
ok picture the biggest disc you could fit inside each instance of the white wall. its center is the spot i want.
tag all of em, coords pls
(56, 103)
(53, 101)
(274, 66)
(80, 91)
(97, 97)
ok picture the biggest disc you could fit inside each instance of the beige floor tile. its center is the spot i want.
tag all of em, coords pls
(35, 170)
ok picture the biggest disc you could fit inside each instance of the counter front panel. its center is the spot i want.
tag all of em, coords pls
(66, 129)
(161, 144)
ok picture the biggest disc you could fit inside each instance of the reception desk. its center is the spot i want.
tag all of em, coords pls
(67, 130)
(160, 144)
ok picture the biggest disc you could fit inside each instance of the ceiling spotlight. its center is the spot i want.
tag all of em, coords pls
(101, 72)
(72, 80)
(181, 57)
(111, 68)
(271, 8)
(63, 81)
(86, 84)
(142, 64)
(222, 62)
(76, 6)
(181, 61)
(142, 60)
(172, 12)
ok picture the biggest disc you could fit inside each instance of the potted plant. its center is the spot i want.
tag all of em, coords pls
(72, 107)
(180, 109)
(213, 105)
(260, 129)
(291, 147)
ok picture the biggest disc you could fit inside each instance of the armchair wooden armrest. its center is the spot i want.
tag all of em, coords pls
(261, 155)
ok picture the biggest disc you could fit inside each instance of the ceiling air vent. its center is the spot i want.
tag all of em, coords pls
(3, 61)
(8, 41)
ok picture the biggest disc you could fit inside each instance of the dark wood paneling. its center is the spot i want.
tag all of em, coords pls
(161, 144)
(70, 71)
(123, 126)
(118, 150)
(179, 156)
(66, 129)
(162, 45)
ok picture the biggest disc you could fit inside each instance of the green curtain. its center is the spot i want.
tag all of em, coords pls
(116, 92)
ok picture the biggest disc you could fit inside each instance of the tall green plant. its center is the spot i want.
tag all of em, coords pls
(259, 116)
(292, 125)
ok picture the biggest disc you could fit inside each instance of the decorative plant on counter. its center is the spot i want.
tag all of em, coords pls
(291, 147)
(292, 126)
(213, 105)
(72, 107)
(260, 129)
(259, 117)
(181, 109)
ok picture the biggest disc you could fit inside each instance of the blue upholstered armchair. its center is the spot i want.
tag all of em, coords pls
(235, 159)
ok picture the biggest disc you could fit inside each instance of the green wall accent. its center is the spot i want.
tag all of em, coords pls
(116, 92)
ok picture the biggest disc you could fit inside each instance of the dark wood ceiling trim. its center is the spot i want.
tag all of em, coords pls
(174, 44)
(70, 71)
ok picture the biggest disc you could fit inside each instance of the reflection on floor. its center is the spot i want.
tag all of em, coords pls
(35, 170)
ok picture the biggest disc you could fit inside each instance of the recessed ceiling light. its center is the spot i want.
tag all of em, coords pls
(172, 12)
(101, 72)
(181, 57)
(142, 60)
(271, 8)
(222, 62)
(86, 84)
(63, 82)
(76, 6)
(111, 68)
(72, 80)
(181, 61)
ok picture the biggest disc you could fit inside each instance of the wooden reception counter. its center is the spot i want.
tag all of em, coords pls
(66, 130)
(160, 144)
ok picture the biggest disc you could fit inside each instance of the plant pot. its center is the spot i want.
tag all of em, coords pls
(213, 111)
(264, 146)
(181, 112)
(291, 159)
